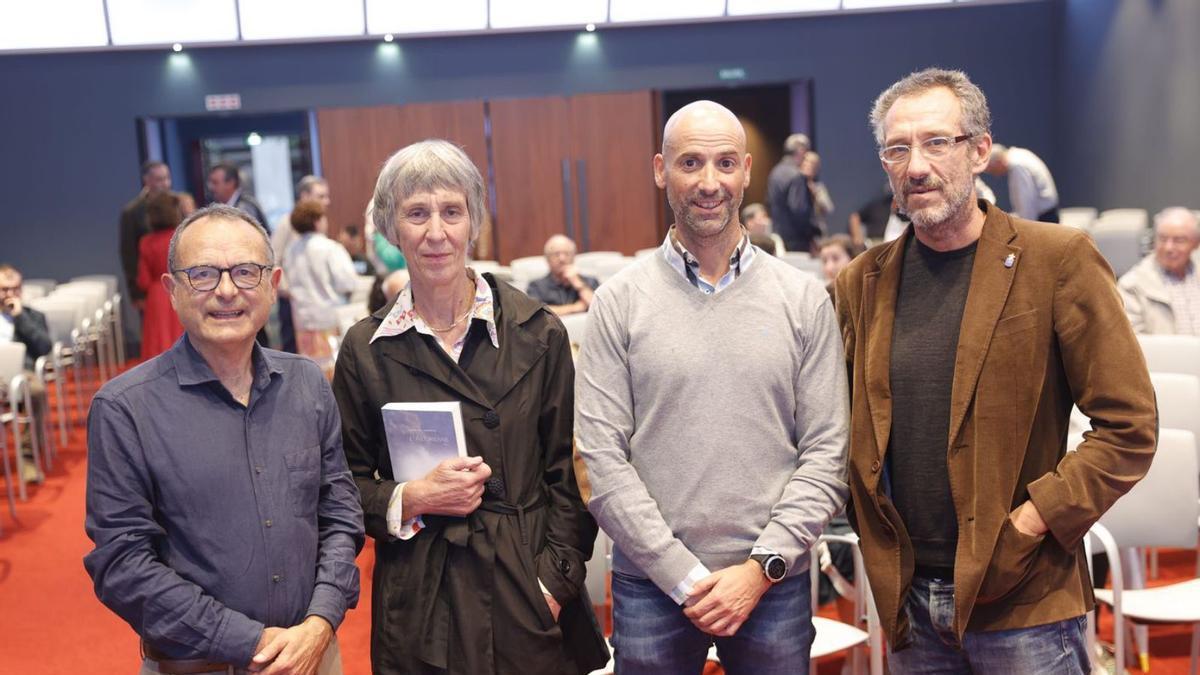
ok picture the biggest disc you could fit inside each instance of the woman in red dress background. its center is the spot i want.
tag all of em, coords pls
(160, 325)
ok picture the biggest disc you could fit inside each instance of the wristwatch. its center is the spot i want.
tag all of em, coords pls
(773, 565)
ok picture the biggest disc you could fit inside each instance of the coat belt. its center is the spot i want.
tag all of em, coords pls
(518, 510)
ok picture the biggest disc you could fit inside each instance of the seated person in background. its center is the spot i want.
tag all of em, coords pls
(757, 222)
(320, 277)
(836, 253)
(766, 243)
(1162, 292)
(19, 323)
(564, 290)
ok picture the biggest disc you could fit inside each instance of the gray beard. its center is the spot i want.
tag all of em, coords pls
(938, 222)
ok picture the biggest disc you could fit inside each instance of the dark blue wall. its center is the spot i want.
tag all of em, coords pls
(1130, 103)
(68, 126)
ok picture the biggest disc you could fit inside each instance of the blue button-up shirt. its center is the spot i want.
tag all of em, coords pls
(212, 519)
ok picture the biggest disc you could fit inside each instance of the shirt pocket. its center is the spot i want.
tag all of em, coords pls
(304, 480)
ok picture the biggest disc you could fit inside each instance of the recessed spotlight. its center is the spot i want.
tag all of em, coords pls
(176, 47)
(389, 37)
(254, 139)
(591, 28)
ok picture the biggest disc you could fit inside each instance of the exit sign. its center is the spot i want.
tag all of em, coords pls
(215, 102)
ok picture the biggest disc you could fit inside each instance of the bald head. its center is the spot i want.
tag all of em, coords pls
(1176, 237)
(704, 168)
(704, 114)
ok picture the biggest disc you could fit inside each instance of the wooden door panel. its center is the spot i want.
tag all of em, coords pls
(355, 142)
(529, 145)
(615, 138)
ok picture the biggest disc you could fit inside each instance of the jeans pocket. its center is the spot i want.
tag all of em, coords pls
(1012, 560)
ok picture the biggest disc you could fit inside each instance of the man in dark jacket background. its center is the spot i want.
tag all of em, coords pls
(19, 323)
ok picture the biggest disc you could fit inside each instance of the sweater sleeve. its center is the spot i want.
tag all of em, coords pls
(817, 488)
(604, 423)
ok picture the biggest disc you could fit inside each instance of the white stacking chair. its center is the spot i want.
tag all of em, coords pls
(803, 262)
(501, 272)
(109, 280)
(1171, 353)
(644, 251)
(49, 369)
(1122, 248)
(527, 269)
(603, 269)
(12, 374)
(32, 292)
(576, 325)
(588, 257)
(833, 636)
(1161, 510)
(1123, 219)
(63, 316)
(46, 285)
(1178, 402)
(1078, 217)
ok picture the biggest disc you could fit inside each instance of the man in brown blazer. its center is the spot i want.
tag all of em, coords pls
(968, 339)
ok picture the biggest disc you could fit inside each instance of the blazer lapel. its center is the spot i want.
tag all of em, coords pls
(879, 304)
(996, 263)
(519, 350)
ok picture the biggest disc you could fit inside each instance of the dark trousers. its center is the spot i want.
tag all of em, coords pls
(1050, 216)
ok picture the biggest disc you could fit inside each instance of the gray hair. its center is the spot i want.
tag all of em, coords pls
(1178, 212)
(307, 183)
(424, 167)
(976, 119)
(795, 142)
(223, 212)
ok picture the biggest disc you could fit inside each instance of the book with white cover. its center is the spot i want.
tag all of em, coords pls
(422, 435)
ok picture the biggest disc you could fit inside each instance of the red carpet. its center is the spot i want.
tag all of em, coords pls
(51, 622)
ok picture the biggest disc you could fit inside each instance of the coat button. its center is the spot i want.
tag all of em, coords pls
(875, 466)
(564, 566)
(491, 420)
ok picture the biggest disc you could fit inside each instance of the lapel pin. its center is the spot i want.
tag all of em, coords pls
(1010, 259)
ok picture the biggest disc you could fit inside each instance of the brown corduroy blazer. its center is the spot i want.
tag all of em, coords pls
(1043, 328)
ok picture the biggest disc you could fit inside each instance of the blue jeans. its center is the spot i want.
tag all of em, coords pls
(651, 635)
(1059, 647)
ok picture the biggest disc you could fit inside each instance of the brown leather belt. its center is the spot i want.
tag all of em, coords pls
(170, 666)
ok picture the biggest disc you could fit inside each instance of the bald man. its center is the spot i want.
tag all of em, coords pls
(715, 485)
(564, 289)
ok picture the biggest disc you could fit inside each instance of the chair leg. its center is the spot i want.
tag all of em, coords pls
(1195, 648)
(1135, 578)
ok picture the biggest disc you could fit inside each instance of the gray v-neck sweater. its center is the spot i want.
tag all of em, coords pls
(710, 424)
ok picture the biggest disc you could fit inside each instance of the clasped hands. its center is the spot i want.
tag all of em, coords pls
(721, 602)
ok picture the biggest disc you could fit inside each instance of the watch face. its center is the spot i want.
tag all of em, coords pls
(776, 568)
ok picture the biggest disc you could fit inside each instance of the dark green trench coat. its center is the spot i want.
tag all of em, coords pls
(462, 595)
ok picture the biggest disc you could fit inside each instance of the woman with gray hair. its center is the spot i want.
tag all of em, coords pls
(480, 563)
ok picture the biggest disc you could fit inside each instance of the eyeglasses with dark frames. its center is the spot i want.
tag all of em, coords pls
(931, 148)
(203, 278)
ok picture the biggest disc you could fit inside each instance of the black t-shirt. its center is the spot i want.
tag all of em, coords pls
(929, 310)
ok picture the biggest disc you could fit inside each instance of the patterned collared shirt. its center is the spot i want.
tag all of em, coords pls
(682, 261)
(1185, 300)
(404, 316)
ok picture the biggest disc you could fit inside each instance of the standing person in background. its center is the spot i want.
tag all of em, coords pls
(160, 324)
(788, 197)
(320, 277)
(818, 194)
(156, 178)
(225, 187)
(1031, 190)
(309, 187)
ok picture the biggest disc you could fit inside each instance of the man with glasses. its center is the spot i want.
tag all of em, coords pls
(967, 340)
(26, 325)
(1162, 292)
(224, 517)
